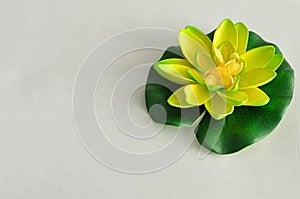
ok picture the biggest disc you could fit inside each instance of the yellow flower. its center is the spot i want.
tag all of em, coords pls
(220, 74)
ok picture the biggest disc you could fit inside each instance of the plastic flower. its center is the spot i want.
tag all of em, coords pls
(220, 74)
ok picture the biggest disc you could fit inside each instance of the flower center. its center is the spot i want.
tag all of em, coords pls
(225, 75)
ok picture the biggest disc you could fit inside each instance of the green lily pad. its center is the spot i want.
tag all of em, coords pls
(244, 127)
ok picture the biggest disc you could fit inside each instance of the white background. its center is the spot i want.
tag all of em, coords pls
(43, 43)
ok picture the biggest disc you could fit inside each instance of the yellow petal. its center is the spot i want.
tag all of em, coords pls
(174, 70)
(195, 75)
(202, 37)
(178, 99)
(258, 57)
(275, 62)
(204, 62)
(256, 97)
(176, 61)
(226, 81)
(234, 68)
(256, 77)
(235, 98)
(218, 56)
(196, 94)
(190, 46)
(218, 108)
(243, 35)
(225, 32)
(226, 49)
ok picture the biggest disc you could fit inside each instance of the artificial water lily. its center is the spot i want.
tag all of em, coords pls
(220, 74)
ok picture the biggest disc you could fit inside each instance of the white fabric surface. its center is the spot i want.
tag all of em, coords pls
(43, 43)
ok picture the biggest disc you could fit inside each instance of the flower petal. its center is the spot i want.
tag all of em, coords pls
(174, 70)
(226, 49)
(178, 99)
(191, 47)
(235, 98)
(258, 57)
(256, 97)
(203, 38)
(218, 57)
(275, 62)
(225, 32)
(196, 94)
(256, 77)
(243, 35)
(218, 108)
(204, 62)
(195, 75)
